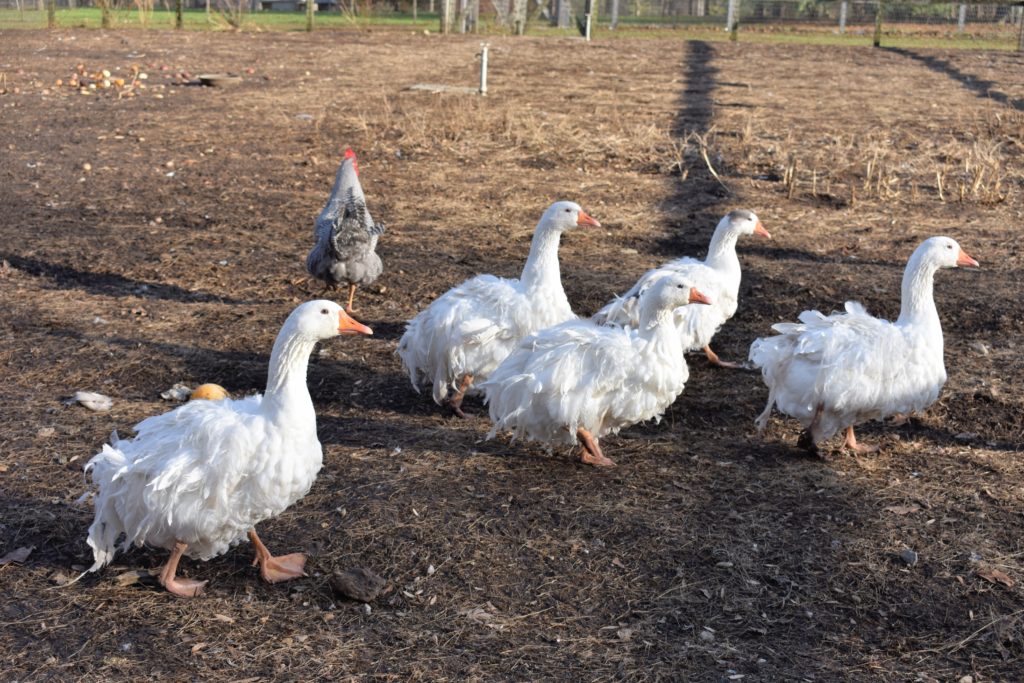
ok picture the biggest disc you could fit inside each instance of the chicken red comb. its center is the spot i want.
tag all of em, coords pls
(349, 154)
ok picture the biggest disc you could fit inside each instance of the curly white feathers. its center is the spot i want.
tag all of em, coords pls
(833, 372)
(471, 328)
(581, 375)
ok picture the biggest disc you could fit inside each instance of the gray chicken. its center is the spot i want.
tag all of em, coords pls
(346, 236)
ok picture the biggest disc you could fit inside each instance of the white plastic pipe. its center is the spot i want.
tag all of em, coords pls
(483, 68)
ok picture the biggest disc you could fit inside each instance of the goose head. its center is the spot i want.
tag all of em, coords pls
(671, 292)
(744, 222)
(943, 252)
(322, 319)
(562, 216)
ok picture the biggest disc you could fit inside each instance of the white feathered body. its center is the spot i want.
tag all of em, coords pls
(203, 474)
(207, 472)
(583, 375)
(856, 367)
(472, 328)
(696, 324)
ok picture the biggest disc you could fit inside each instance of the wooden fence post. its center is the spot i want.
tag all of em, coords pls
(1020, 38)
(179, 19)
(310, 5)
(878, 25)
(445, 19)
(51, 13)
(843, 8)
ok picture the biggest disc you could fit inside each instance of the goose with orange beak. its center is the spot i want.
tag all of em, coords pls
(197, 480)
(579, 381)
(718, 276)
(458, 340)
(834, 372)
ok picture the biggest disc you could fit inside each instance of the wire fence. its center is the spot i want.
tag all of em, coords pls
(836, 13)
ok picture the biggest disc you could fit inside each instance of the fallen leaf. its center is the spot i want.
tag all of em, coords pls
(19, 555)
(197, 647)
(624, 633)
(996, 576)
(225, 618)
(903, 509)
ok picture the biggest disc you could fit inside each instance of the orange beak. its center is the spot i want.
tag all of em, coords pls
(697, 298)
(759, 230)
(964, 260)
(584, 219)
(346, 325)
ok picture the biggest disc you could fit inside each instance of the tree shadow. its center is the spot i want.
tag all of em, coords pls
(111, 284)
(981, 87)
(696, 196)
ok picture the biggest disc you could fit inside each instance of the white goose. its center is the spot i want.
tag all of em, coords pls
(196, 480)
(580, 380)
(465, 333)
(718, 276)
(833, 372)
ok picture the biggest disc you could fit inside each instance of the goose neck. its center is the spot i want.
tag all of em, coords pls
(722, 251)
(541, 269)
(917, 304)
(654, 320)
(286, 380)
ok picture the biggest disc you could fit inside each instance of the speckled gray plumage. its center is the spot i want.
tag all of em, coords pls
(346, 236)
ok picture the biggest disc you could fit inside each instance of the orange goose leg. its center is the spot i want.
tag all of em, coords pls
(715, 360)
(851, 443)
(590, 452)
(456, 401)
(276, 569)
(186, 588)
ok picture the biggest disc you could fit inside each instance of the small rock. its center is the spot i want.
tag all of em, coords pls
(908, 556)
(357, 583)
(366, 609)
(966, 436)
(46, 432)
(980, 347)
(707, 636)
(966, 679)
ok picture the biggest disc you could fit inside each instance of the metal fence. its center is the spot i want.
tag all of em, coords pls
(827, 12)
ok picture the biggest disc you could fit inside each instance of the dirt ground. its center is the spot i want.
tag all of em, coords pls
(709, 553)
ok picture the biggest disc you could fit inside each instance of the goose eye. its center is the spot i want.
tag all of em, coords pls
(949, 246)
(324, 311)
